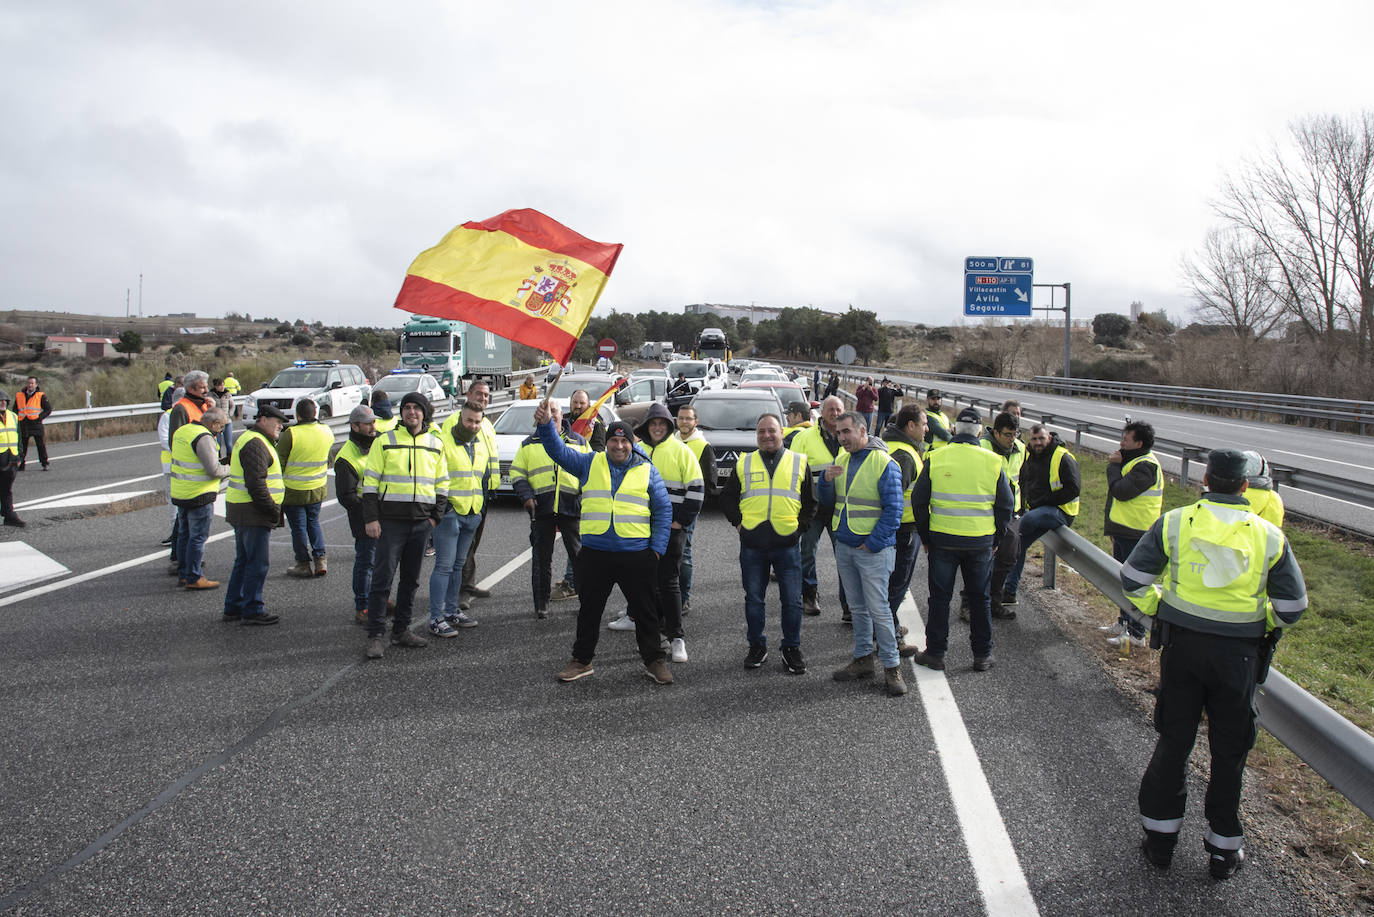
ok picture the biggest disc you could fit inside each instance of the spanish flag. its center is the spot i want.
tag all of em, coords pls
(521, 275)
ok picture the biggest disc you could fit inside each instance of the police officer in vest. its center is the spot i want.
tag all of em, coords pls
(304, 449)
(769, 500)
(1050, 485)
(904, 436)
(962, 502)
(865, 486)
(1001, 439)
(701, 447)
(9, 460)
(252, 505)
(1135, 499)
(1229, 585)
(625, 525)
(349, 463)
(196, 473)
(465, 451)
(405, 491)
(33, 407)
(553, 500)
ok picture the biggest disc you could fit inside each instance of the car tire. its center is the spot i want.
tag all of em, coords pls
(325, 413)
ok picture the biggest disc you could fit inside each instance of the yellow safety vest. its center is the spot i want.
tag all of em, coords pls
(627, 508)
(810, 443)
(307, 467)
(963, 490)
(488, 434)
(676, 465)
(1219, 560)
(385, 424)
(907, 514)
(1141, 511)
(352, 456)
(532, 463)
(697, 444)
(859, 508)
(1266, 504)
(163, 386)
(238, 491)
(1011, 465)
(231, 385)
(465, 491)
(9, 432)
(1056, 483)
(402, 468)
(936, 420)
(775, 499)
(189, 479)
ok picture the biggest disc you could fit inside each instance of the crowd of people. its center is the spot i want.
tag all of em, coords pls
(1212, 580)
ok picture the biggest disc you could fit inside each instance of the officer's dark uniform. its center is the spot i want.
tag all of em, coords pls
(1229, 581)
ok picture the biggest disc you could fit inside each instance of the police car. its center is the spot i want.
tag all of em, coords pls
(336, 387)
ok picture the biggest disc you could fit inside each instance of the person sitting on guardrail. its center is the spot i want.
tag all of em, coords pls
(937, 426)
(1135, 499)
(1262, 494)
(1230, 584)
(1050, 487)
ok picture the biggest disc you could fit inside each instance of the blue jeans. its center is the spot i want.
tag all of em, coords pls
(864, 577)
(1034, 523)
(881, 421)
(754, 564)
(452, 538)
(307, 538)
(868, 421)
(941, 566)
(903, 566)
(364, 553)
(684, 569)
(193, 527)
(243, 595)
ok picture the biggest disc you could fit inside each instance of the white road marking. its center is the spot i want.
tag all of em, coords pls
(91, 499)
(507, 569)
(1000, 879)
(22, 565)
(41, 501)
(58, 458)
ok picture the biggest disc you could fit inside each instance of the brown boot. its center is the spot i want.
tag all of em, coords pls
(301, 569)
(860, 667)
(893, 682)
(203, 583)
(658, 671)
(321, 567)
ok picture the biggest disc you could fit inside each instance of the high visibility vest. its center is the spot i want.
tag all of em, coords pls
(857, 503)
(810, 443)
(9, 432)
(935, 420)
(307, 466)
(465, 473)
(627, 509)
(352, 456)
(385, 424)
(189, 479)
(1141, 511)
(775, 499)
(697, 444)
(676, 465)
(402, 468)
(163, 386)
(165, 453)
(963, 490)
(194, 412)
(907, 514)
(532, 463)
(238, 491)
(1056, 484)
(1011, 466)
(488, 434)
(1219, 560)
(28, 407)
(231, 385)
(1266, 504)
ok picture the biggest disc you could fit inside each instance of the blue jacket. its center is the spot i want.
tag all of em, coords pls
(884, 534)
(580, 463)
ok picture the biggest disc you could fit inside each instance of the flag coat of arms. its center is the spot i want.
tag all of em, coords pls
(522, 275)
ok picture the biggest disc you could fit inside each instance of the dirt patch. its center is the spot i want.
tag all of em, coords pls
(1296, 814)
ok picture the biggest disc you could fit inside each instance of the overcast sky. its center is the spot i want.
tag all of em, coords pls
(290, 159)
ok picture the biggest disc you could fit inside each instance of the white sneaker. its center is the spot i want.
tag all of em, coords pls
(1122, 638)
(1113, 630)
(679, 649)
(624, 622)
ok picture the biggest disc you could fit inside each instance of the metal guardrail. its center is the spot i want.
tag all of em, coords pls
(1329, 743)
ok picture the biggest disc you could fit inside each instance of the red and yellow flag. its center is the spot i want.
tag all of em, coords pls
(521, 275)
(586, 421)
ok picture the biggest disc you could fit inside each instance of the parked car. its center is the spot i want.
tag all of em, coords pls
(756, 374)
(632, 402)
(593, 383)
(701, 375)
(337, 388)
(727, 418)
(787, 392)
(401, 382)
(517, 422)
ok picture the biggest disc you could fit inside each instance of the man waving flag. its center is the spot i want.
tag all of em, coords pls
(521, 275)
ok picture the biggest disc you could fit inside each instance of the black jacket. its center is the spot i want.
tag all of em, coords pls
(348, 486)
(1035, 478)
(765, 536)
(909, 472)
(255, 458)
(1126, 487)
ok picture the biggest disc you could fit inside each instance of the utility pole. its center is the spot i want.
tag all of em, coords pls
(140, 294)
(1068, 322)
(126, 302)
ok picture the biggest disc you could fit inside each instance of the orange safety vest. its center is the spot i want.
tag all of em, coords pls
(194, 412)
(28, 407)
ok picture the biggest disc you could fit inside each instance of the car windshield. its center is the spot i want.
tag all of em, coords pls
(399, 384)
(299, 378)
(594, 388)
(733, 413)
(694, 369)
(518, 418)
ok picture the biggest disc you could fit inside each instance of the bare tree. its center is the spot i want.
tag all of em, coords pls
(1233, 281)
(1352, 150)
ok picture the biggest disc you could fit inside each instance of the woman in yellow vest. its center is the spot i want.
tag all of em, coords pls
(1050, 485)
(1135, 499)
(9, 460)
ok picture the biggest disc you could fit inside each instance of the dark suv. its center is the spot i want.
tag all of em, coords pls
(727, 418)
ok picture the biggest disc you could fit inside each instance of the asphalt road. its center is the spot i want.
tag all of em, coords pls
(158, 761)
